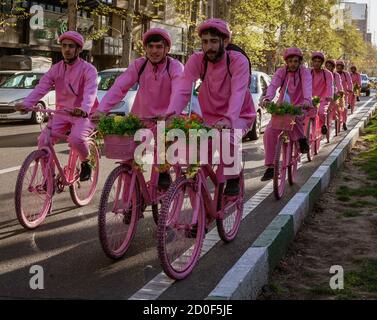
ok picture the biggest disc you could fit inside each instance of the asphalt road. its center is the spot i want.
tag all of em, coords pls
(66, 245)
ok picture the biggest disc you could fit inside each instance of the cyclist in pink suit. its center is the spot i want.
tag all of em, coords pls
(75, 82)
(322, 87)
(337, 82)
(157, 75)
(295, 83)
(224, 95)
(347, 86)
(356, 79)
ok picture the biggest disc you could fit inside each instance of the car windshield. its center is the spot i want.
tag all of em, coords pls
(22, 81)
(107, 79)
(364, 78)
(254, 83)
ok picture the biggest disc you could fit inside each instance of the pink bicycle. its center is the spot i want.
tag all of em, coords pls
(187, 212)
(337, 109)
(37, 183)
(287, 153)
(313, 132)
(125, 197)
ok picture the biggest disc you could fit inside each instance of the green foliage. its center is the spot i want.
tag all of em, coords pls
(316, 101)
(119, 125)
(283, 109)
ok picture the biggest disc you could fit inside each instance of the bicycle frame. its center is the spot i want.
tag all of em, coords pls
(67, 173)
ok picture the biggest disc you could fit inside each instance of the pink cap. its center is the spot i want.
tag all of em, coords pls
(157, 31)
(218, 24)
(340, 62)
(74, 36)
(332, 61)
(318, 54)
(292, 52)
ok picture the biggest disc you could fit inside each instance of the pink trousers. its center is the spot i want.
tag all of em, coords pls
(80, 129)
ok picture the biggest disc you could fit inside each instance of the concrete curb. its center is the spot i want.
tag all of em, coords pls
(250, 273)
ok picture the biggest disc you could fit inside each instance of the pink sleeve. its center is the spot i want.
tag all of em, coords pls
(239, 87)
(90, 89)
(43, 87)
(307, 87)
(329, 83)
(359, 79)
(176, 74)
(275, 84)
(119, 89)
(183, 87)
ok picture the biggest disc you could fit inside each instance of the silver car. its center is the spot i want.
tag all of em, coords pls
(18, 87)
(106, 79)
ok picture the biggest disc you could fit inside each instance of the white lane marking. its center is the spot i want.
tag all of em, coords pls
(160, 283)
(10, 169)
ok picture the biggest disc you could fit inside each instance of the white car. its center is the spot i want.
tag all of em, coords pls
(106, 79)
(18, 87)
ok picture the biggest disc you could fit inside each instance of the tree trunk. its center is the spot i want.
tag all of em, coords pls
(191, 31)
(72, 15)
(127, 36)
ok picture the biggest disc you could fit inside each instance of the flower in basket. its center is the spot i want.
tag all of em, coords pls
(186, 123)
(284, 108)
(120, 125)
(316, 101)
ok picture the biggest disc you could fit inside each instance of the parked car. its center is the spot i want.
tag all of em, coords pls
(106, 79)
(18, 87)
(258, 88)
(365, 86)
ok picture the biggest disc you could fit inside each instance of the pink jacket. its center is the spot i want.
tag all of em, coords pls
(223, 96)
(75, 86)
(346, 81)
(299, 87)
(155, 89)
(322, 84)
(356, 78)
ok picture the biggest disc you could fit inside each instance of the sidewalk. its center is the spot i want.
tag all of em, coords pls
(342, 230)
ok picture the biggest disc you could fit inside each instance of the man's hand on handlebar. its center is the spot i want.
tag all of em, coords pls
(77, 112)
(265, 102)
(20, 107)
(97, 115)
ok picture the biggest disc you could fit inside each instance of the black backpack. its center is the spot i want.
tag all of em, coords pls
(230, 47)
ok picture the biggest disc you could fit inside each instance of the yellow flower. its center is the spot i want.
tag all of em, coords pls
(118, 119)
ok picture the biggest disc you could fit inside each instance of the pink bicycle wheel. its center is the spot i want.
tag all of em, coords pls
(118, 213)
(180, 230)
(34, 190)
(328, 123)
(311, 136)
(82, 192)
(232, 210)
(294, 155)
(280, 167)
